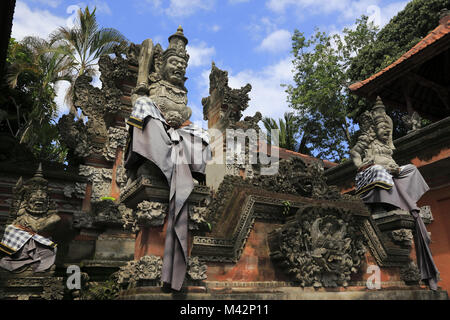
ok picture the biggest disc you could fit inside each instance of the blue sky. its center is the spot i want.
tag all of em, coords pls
(251, 39)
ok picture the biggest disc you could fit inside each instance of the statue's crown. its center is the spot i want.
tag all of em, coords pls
(177, 45)
(379, 112)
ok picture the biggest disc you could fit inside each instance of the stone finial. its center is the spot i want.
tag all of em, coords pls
(444, 16)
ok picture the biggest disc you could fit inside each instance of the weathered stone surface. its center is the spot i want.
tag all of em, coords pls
(196, 270)
(31, 207)
(320, 247)
(410, 273)
(148, 268)
(100, 178)
(232, 101)
(375, 145)
(403, 237)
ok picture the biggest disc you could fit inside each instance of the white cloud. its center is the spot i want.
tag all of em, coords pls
(50, 3)
(200, 54)
(267, 95)
(100, 5)
(181, 8)
(215, 28)
(277, 41)
(347, 9)
(33, 22)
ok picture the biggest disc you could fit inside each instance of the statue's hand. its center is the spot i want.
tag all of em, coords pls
(393, 169)
(141, 89)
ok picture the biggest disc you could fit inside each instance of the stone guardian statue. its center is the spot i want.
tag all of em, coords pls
(381, 180)
(164, 144)
(25, 242)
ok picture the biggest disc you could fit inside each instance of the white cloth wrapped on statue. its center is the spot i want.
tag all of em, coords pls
(23, 248)
(177, 153)
(376, 185)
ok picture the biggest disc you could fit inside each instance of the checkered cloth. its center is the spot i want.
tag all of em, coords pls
(145, 107)
(142, 108)
(15, 238)
(374, 176)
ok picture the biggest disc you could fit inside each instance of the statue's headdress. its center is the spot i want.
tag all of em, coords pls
(177, 45)
(379, 113)
(23, 190)
(36, 182)
(380, 116)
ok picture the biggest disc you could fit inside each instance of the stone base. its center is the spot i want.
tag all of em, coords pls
(270, 291)
(31, 286)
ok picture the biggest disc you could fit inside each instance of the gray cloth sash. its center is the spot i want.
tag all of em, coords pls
(40, 257)
(408, 188)
(176, 152)
(425, 262)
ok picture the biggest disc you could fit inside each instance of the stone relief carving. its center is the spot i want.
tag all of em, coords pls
(153, 214)
(104, 213)
(293, 177)
(403, 237)
(412, 122)
(32, 207)
(147, 214)
(148, 268)
(410, 273)
(196, 270)
(90, 134)
(197, 216)
(100, 178)
(233, 101)
(321, 247)
(117, 138)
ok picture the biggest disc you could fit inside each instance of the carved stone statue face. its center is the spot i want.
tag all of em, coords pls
(383, 131)
(174, 70)
(38, 202)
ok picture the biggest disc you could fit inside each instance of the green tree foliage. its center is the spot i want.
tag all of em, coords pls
(34, 66)
(288, 131)
(319, 95)
(87, 42)
(403, 32)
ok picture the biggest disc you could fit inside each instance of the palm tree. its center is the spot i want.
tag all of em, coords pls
(87, 42)
(288, 130)
(42, 64)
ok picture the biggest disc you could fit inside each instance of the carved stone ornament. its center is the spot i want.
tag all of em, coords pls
(294, 177)
(233, 101)
(410, 273)
(90, 133)
(147, 214)
(32, 207)
(412, 122)
(117, 138)
(104, 213)
(100, 178)
(375, 145)
(320, 247)
(197, 216)
(148, 268)
(196, 269)
(403, 237)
